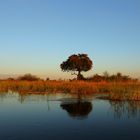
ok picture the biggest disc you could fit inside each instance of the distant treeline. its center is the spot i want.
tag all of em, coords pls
(119, 77)
(26, 77)
(95, 78)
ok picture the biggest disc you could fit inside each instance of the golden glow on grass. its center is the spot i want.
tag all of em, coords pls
(115, 90)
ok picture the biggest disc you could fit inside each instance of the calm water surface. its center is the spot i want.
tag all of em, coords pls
(61, 117)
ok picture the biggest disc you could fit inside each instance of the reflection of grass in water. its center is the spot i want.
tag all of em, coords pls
(116, 90)
(129, 108)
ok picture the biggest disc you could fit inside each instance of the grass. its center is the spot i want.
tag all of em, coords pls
(114, 90)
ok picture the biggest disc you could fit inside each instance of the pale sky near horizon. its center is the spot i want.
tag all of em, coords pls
(37, 35)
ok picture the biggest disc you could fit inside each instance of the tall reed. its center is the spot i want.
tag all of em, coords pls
(115, 90)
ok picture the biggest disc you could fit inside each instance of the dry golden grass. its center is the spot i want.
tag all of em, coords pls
(115, 90)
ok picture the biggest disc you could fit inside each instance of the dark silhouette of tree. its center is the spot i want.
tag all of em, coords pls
(77, 109)
(77, 63)
(10, 79)
(28, 77)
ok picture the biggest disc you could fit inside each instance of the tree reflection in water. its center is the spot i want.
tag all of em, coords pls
(79, 109)
(129, 108)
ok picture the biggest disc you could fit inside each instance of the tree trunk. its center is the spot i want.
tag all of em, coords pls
(79, 75)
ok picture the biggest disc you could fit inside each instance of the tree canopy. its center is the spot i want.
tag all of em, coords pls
(77, 63)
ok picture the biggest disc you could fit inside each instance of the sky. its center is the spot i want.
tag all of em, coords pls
(36, 36)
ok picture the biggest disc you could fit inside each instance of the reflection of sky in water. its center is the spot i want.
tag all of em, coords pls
(39, 117)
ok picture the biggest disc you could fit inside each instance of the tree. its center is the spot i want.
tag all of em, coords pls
(77, 63)
(28, 77)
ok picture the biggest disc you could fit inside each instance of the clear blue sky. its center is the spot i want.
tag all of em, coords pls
(37, 35)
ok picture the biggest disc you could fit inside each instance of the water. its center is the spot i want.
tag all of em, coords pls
(61, 117)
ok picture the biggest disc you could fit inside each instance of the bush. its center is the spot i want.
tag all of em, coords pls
(28, 77)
